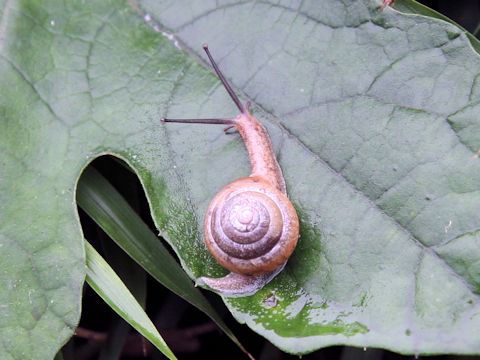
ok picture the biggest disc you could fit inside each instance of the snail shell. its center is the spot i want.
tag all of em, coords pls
(251, 227)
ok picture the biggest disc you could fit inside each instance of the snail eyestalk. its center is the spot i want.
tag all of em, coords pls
(200, 121)
(224, 81)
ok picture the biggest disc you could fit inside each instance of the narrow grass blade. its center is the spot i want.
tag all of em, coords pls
(106, 283)
(114, 215)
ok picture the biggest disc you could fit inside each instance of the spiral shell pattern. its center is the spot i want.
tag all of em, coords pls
(250, 227)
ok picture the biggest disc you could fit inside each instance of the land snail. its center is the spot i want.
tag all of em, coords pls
(251, 228)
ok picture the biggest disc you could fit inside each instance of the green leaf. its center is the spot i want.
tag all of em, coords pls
(373, 116)
(414, 7)
(102, 279)
(97, 197)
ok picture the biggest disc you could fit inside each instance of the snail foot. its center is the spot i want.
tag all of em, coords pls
(237, 285)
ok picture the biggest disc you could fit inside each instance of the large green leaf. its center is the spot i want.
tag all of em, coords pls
(101, 201)
(414, 7)
(373, 117)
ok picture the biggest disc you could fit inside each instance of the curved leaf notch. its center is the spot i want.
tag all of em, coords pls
(373, 117)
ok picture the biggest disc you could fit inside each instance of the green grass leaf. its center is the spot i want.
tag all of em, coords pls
(99, 199)
(102, 279)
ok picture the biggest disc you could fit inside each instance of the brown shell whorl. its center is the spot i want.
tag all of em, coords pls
(251, 227)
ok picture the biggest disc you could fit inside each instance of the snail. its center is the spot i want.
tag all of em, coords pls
(251, 228)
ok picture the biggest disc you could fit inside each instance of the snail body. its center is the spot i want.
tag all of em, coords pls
(251, 228)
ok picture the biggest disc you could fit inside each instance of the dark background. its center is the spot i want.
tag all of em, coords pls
(189, 333)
